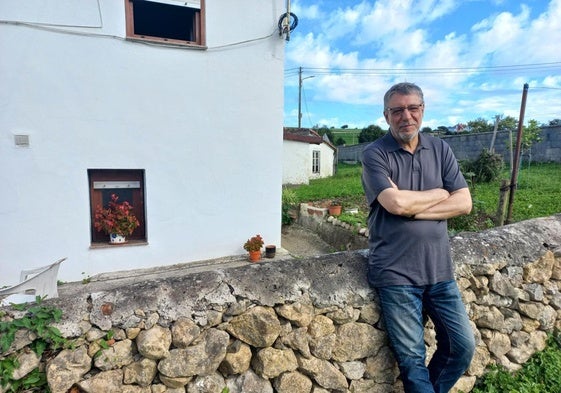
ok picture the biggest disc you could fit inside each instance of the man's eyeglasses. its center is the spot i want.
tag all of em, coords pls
(398, 110)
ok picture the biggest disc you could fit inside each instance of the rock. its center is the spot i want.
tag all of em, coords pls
(298, 340)
(237, 359)
(116, 356)
(498, 343)
(321, 326)
(292, 382)
(323, 373)
(301, 314)
(270, 363)
(213, 383)
(353, 370)
(67, 368)
(183, 332)
(202, 358)
(141, 373)
(28, 361)
(464, 384)
(357, 340)
(154, 343)
(106, 381)
(541, 270)
(258, 327)
(249, 382)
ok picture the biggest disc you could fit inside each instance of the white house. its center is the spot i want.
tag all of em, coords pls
(176, 106)
(306, 155)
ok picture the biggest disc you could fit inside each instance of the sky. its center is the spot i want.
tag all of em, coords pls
(472, 59)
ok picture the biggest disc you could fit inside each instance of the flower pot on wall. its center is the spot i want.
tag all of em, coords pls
(117, 239)
(255, 256)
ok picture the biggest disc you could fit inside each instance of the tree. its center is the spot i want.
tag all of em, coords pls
(325, 131)
(340, 141)
(508, 123)
(531, 134)
(370, 133)
(426, 129)
(480, 125)
(441, 130)
(555, 122)
(344, 126)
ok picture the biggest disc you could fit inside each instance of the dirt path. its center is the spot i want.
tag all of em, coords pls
(301, 242)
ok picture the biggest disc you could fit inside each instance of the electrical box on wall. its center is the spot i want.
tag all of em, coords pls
(21, 140)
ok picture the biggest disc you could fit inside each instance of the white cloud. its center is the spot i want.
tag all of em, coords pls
(397, 35)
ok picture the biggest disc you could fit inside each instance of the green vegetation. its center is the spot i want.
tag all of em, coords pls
(537, 194)
(37, 319)
(540, 374)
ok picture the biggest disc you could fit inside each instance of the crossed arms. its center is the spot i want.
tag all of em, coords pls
(435, 204)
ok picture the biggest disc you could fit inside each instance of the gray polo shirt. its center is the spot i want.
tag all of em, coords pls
(406, 251)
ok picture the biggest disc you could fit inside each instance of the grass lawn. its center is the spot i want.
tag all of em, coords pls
(538, 195)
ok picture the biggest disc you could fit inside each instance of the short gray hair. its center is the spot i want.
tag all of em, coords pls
(403, 88)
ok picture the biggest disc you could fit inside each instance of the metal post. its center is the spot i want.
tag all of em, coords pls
(299, 97)
(300, 79)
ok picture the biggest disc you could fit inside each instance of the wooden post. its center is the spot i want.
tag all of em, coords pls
(501, 209)
(514, 169)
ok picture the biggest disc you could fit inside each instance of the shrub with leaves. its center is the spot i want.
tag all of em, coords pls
(486, 168)
(289, 200)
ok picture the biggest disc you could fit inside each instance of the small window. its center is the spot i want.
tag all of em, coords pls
(171, 21)
(128, 185)
(315, 161)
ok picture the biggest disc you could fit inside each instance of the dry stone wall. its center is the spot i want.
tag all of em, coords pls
(297, 326)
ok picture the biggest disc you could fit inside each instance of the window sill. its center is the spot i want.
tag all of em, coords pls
(129, 243)
(167, 42)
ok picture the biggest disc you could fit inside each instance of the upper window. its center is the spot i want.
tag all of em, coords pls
(128, 185)
(171, 21)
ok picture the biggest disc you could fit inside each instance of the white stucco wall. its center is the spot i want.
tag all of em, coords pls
(296, 162)
(205, 125)
(325, 162)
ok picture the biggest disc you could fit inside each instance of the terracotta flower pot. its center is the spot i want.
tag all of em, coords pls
(335, 210)
(255, 256)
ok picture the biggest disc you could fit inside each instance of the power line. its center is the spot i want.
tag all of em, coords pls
(426, 71)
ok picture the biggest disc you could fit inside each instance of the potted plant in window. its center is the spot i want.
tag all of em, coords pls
(253, 246)
(118, 220)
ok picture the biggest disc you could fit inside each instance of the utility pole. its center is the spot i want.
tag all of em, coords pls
(497, 119)
(300, 79)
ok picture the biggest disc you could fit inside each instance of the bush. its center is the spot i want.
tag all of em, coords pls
(486, 168)
(289, 200)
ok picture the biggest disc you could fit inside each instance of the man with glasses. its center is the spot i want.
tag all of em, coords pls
(413, 185)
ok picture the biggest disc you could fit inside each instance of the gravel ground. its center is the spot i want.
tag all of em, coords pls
(301, 242)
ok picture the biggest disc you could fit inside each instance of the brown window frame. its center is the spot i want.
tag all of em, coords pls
(197, 25)
(137, 201)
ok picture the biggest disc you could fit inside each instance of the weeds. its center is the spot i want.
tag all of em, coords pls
(540, 374)
(37, 319)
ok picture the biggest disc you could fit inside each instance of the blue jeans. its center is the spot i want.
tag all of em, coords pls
(403, 308)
